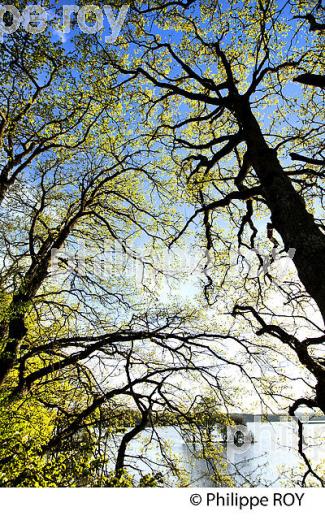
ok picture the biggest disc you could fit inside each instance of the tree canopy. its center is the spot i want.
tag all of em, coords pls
(192, 144)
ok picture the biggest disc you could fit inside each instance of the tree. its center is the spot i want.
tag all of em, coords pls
(211, 111)
(84, 342)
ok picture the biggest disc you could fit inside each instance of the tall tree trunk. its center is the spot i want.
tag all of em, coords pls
(13, 330)
(290, 217)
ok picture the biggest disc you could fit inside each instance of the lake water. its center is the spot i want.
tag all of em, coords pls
(272, 459)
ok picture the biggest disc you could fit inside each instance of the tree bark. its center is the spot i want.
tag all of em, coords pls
(315, 80)
(289, 215)
(119, 466)
(13, 330)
